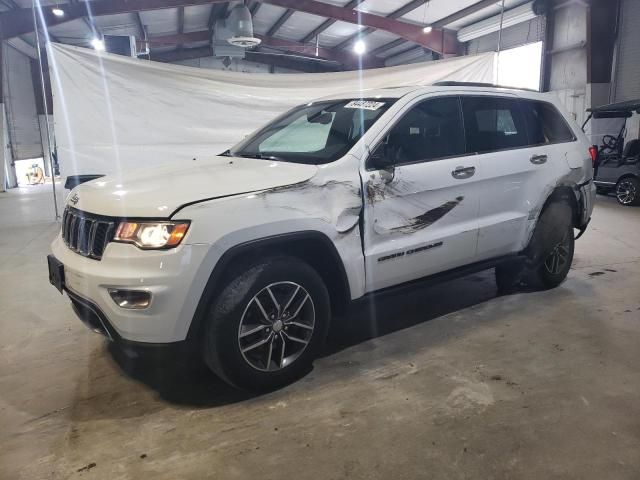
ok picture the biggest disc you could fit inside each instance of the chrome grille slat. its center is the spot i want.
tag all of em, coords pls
(92, 237)
(67, 234)
(107, 236)
(73, 239)
(86, 234)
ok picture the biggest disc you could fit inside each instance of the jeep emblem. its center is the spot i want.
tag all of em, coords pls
(75, 199)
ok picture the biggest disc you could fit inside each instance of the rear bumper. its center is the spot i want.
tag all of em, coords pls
(587, 197)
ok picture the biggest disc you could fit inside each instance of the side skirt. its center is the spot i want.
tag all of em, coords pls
(442, 276)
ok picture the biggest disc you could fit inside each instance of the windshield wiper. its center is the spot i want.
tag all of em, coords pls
(259, 156)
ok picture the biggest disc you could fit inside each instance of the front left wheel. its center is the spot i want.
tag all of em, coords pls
(268, 324)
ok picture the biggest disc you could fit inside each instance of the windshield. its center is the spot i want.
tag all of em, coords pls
(317, 133)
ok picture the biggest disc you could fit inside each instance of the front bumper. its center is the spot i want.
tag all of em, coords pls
(171, 276)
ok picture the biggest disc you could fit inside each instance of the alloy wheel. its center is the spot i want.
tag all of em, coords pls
(559, 256)
(626, 192)
(276, 326)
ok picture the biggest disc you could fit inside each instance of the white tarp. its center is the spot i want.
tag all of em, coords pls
(114, 113)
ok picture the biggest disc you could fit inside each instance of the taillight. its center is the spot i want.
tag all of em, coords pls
(593, 151)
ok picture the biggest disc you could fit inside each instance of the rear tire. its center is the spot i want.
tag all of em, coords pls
(548, 256)
(268, 324)
(550, 251)
(628, 191)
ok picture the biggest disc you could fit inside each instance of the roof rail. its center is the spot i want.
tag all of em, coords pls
(451, 83)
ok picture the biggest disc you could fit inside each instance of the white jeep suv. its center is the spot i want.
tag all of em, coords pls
(248, 255)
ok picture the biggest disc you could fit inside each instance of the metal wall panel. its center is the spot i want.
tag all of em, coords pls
(627, 75)
(20, 104)
(527, 32)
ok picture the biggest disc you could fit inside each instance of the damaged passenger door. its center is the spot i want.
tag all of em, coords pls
(421, 199)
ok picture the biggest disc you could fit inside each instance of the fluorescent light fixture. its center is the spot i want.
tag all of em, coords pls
(58, 12)
(427, 29)
(512, 17)
(97, 44)
(359, 47)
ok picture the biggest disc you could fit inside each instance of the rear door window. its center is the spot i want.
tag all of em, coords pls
(545, 124)
(493, 123)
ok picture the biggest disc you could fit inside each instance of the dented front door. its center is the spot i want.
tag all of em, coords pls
(420, 219)
(420, 214)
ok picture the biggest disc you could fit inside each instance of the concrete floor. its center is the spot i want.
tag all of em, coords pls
(447, 382)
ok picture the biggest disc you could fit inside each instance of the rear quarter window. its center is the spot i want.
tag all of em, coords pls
(545, 124)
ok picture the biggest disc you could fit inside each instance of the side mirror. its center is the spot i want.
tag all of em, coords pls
(381, 158)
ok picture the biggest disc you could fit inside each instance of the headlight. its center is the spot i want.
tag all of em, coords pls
(152, 234)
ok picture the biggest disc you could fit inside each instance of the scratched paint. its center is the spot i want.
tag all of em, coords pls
(428, 218)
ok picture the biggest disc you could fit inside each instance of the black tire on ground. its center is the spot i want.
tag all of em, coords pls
(509, 276)
(245, 304)
(548, 256)
(628, 191)
(552, 235)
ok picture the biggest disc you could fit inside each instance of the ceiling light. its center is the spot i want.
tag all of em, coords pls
(427, 29)
(58, 12)
(359, 47)
(97, 44)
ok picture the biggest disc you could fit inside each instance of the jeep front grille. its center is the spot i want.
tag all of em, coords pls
(86, 234)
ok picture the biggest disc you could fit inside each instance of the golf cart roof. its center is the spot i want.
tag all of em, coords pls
(616, 110)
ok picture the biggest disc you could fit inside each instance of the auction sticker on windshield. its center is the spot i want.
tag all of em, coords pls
(364, 104)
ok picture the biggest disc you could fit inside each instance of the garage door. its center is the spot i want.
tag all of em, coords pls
(521, 34)
(20, 105)
(627, 78)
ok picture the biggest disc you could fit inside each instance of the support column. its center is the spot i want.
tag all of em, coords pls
(3, 150)
(3, 145)
(8, 175)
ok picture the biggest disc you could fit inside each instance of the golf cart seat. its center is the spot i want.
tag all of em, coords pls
(631, 149)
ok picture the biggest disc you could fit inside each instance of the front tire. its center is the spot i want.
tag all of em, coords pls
(628, 191)
(268, 324)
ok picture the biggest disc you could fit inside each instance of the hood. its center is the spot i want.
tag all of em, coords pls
(160, 191)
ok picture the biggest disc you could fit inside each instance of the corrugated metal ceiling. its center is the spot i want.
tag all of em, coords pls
(196, 18)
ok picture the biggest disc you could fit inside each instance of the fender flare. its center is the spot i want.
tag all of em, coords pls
(214, 283)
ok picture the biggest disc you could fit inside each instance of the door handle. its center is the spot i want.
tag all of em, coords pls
(538, 159)
(463, 172)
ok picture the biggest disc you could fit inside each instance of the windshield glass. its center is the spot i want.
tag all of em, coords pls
(317, 133)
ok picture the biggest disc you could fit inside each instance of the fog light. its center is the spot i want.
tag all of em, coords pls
(131, 299)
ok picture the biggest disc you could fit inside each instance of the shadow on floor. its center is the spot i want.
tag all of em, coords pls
(190, 383)
(381, 315)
